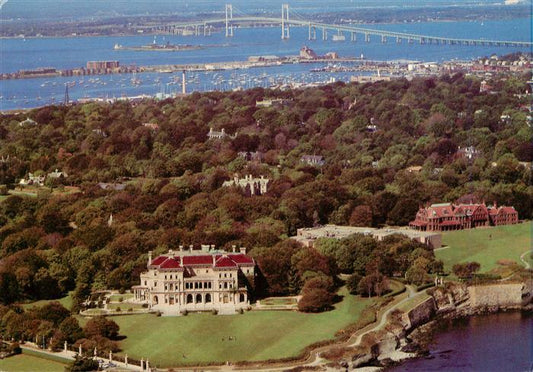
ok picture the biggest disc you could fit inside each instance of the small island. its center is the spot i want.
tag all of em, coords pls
(159, 47)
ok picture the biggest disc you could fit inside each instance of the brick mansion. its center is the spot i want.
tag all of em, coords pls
(447, 216)
(196, 280)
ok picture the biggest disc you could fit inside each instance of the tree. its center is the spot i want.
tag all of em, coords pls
(361, 216)
(71, 328)
(315, 299)
(9, 288)
(101, 326)
(53, 312)
(416, 275)
(465, 270)
(373, 284)
(82, 364)
(352, 282)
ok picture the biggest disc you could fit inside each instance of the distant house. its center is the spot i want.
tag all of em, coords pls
(112, 186)
(277, 102)
(447, 217)
(506, 119)
(152, 126)
(27, 122)
(251, 155)
(213, 134)
(253, 186)
(414, 169)
(33, 179)
(307, 53)
(316, 160)
(469, 152)
(371, 128)
(484, 87)
(57, 174)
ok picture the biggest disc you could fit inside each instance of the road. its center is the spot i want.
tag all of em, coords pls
(527, 265)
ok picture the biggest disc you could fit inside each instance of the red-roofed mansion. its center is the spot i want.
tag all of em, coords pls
(196, 280)
(447, 216)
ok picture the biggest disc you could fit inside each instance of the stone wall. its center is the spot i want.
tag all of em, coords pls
(420, 314)
(496, 295)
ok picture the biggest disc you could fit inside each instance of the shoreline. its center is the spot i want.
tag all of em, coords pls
(367, 22)
(412, 340)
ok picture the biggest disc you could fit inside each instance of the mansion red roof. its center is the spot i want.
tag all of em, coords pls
(159, 260)
(224, 261)
(447, 216)
(170, 263)
(220, 261)
(197, 260)
(242, 259)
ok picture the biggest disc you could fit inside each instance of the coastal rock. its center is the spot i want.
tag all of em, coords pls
(362, 359)
(420, 314)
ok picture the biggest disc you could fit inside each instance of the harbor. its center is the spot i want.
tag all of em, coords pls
(253, 57)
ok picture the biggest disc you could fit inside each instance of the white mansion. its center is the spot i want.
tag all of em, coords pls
(193, 280)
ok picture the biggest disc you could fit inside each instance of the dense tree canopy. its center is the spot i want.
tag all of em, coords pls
(164, 184)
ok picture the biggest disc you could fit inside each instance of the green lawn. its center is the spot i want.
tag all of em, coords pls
(413, 302)
(486, 246)
(65, 301)
(259, 335)
(30, 363)
(279, 301)
(117, 297)
(124, 306)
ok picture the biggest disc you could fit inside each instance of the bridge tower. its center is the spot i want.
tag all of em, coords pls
(229, 17)
(285, 28)
(312, 32)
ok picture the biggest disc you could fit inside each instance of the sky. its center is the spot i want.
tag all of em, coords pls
(57, 9)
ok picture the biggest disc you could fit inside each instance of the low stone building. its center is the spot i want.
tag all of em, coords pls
(307, 236)
(196, 280)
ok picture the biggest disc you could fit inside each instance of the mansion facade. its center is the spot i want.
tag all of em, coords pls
(447, 217)
(192, 280)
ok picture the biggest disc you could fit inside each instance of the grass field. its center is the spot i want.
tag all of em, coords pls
(29, 363)
(413, 302)
(279, 301)
(65, 301)
(124, 306)
(257, 335)
(486, 246)
(117, 297)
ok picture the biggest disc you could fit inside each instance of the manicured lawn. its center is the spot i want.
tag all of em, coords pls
(486, 246)
(117, 297)
(258, 335)
(413, 302)
(65, 301)
(29, 363)
(277, 301)
(124, 306)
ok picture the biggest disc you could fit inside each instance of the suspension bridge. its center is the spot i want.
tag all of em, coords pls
(234, 18)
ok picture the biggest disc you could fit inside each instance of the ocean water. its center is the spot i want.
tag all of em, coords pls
(74, 52)
(73, 9)
(489, 343)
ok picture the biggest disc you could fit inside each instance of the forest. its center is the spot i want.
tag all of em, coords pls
(128, 188)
